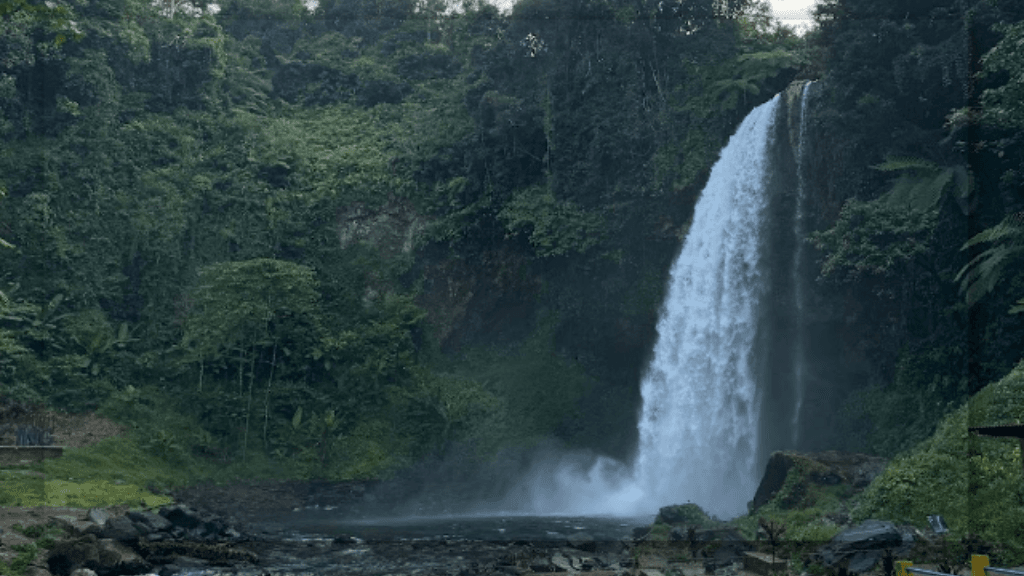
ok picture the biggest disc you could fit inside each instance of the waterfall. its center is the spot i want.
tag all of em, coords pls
(701, 407)
(701, 423)
(799, 360)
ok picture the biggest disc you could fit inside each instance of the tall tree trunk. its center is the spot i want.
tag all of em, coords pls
(266, 397)
(248, 404)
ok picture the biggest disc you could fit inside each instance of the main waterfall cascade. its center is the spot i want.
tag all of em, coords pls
(710, 380)
(701, 403)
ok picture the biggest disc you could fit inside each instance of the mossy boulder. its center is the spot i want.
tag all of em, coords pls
(796, 480)
(689, 515)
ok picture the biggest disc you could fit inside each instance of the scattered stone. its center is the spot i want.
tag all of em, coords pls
(121, 529)
(561, 562)
(863, 545)
(83, 572)
(98, 516)
(147, 522)
(181, 516)
(582, 541)
(104, 556)
(70, 524)
(36, 571)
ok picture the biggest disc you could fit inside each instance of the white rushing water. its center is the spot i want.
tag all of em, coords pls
(701, 405)
(799, 361)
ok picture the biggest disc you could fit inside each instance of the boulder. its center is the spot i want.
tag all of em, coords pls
(863, 545)
(98, 516)
(104, 556)
(70, 524)
(582, 541)
(829, 468)
(683, 515)
(870, 534)
(120, 528)
(146, 522)
(181, 516)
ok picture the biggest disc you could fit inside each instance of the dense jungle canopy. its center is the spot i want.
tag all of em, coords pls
(355, 234)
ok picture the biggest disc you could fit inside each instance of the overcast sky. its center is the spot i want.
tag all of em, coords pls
(796, 13)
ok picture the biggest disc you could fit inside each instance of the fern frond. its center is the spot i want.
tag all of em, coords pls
(1018, 307)
(1011, 228)
(894, 164)
(918, 192)
(984, 271)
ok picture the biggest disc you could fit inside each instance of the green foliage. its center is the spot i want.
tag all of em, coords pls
(1002, 103)
(684, 515)
(922, 183)
(980, 276)
(973, 481)
(873, 239)
(239, 304)
(751, 74)
(554, 228)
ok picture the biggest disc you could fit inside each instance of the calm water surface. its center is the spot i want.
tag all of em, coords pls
(509, 528)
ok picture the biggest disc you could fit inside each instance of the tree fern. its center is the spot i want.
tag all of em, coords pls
(922, 183)
(980, 276)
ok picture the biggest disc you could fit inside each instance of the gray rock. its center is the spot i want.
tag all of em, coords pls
(582, 541)
(104, 556)
(864, 560)
(120, 528)
(641, 532)
(83, 572)
(152, 522)
(70, 524)
(36, 571)
(561, 562)
(181, 515)
(864, 544)
(98, 516)
(869, 534)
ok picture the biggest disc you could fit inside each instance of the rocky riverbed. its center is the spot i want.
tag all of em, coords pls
(258, 541)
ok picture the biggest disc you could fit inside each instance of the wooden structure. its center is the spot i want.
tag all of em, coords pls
(19, 455)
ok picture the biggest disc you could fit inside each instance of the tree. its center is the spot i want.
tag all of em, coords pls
(248, 311)
(980, 276)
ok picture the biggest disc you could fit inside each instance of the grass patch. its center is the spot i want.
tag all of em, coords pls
(114, 471)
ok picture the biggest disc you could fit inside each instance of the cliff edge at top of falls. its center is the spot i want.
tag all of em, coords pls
(790, 477)
(792, 97)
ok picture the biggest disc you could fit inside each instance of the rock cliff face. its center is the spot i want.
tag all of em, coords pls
(791, 477)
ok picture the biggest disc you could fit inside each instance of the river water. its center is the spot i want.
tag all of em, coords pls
(506, 528)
